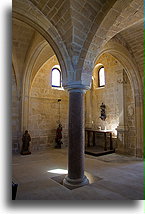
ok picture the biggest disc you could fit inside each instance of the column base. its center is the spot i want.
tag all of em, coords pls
(75, 183)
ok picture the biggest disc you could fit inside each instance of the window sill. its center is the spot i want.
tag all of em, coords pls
(100, 87)
(57, 88)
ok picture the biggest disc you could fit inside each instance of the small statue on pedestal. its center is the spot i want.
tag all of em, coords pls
(26, 143)
(103, 112)
(58, 137)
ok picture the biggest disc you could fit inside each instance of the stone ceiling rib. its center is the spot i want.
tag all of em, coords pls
(84, 26)
(133, 36)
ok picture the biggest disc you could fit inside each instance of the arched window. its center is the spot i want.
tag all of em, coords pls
(101, 77)
(56, 76)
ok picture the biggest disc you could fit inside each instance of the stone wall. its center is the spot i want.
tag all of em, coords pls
(44, 109)
(43, 115)
(120, 108)
(106, 95)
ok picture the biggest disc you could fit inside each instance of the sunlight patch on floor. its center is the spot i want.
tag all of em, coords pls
(58, 171)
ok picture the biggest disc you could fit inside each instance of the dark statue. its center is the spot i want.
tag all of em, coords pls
(14, 190)
(26, 143)
(103, 113)
(58, 137)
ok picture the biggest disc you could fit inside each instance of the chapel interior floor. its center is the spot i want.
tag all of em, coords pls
(112, 177)
(98, 150)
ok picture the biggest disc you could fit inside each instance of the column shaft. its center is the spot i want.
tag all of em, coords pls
(76, 136)
(76, 177)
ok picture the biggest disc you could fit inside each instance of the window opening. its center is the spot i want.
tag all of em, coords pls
(101, 77)
(56, 77)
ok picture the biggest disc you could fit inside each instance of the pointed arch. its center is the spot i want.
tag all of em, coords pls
(123, 56)
(49, 32)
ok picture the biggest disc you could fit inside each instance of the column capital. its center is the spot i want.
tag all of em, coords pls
(76, 87)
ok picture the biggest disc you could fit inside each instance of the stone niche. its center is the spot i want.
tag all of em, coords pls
(119, 101)
(44, 109)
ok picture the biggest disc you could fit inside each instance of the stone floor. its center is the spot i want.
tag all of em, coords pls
(112, 177)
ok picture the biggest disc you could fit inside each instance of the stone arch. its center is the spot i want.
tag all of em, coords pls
(123, 56)
(49, 32)
(15, 110)
(52, 36)
(16, 70)
(36, 72)
(30, 75)
(44, 113)
(27, 80)
(14, 73)
(114, 22)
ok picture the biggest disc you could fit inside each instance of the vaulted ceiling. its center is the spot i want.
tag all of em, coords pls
(133, 37)
(28, 44)
(85, 26)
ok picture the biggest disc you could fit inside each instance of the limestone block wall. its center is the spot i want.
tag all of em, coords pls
(44, 109)
(106, 95)
(118, 97)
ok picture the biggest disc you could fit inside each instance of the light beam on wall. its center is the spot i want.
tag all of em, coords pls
(113, 127)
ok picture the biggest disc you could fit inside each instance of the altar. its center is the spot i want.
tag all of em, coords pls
(106, 133)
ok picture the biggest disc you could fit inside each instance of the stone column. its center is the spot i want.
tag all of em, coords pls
(76, 177)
